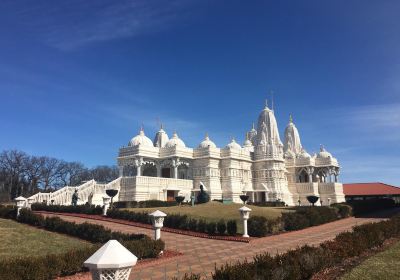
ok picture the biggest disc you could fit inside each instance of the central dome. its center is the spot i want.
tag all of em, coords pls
(175, 141)
(141, 140)
(233, 145)
(207, 143)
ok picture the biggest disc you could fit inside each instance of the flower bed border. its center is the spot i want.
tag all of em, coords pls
(166, 229)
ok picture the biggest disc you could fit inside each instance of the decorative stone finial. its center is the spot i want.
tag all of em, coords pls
(290, 118)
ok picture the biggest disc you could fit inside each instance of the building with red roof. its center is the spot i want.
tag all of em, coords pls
(362, 191)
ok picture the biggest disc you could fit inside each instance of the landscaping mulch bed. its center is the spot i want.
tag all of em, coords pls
(165, 229)
(336, 272)
(166, 256)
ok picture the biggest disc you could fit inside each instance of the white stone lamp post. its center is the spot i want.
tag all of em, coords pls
(30, 202)
(106, 204)
(245, 214)
(157, 218)
(20, 203)
(111, 262)
(329, 201)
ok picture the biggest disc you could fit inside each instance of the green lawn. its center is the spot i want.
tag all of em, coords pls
(382, 266)
(22, 240)
(214, 211)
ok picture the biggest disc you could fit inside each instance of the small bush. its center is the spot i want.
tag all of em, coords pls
(231, 227)
(192, 225)
(79, 209)
(221, 227)
(211, 227)
(268, 204)
(202, 226)
(257, 226)
(344, 209)
(304, 262)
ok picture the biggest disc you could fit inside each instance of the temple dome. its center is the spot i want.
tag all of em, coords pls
(289, 154)
(161, 138)
(141, 140)
(207, 143)
(304, 155)
(323, 153)
(175, 141)
(233, 145)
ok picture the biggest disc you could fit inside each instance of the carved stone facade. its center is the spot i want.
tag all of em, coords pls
(264, 167)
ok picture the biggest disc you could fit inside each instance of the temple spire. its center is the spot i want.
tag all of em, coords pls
(290, 118)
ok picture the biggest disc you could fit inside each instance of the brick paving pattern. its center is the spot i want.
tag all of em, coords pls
(200, 255)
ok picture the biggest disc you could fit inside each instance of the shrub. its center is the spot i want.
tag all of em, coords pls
(45, 267)
(192, 225)
(221, 227)
(144, 204)
(211, 227)
(362, 207)
(79, 209)
(231, 227)
(8, 212)
(344, 209)
(268, 204)
(257, 226)
(308, 216)
(201, 226)
(304, 262)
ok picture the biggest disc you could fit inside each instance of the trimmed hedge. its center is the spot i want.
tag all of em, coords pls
(309, 216)
(259, 226)
(87, 231)
(145, 204)
(51, 266)
(304, 262)
(268, 204)
(176, 221)
(45, 267)
(362, 207)
(80, 209)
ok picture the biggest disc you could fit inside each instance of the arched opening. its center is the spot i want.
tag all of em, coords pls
(303, 176)
(183, 172)
(149, 170)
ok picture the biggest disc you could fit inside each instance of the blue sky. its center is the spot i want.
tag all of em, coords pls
(78, 78)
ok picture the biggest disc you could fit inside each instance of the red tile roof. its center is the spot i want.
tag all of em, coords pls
(370, 189)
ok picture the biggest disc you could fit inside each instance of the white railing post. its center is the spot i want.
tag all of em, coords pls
(106, 204)
(112, 262)
(245, 214)
(30, 202)
(20, 203)
(157, 218)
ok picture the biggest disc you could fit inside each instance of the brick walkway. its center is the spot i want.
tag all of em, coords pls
(200, 255)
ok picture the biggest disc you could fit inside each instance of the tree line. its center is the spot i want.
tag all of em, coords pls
(23, 174)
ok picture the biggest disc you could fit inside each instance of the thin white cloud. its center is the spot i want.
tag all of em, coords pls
(72, 24)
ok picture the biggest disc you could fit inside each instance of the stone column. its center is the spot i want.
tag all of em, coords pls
(121, 170)
(310, 172)
(158, 166)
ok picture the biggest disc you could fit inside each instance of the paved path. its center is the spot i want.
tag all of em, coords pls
(200, 255)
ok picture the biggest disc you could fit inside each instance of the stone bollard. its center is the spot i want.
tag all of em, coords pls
(245, 214)
(20, 203)
(106, 203)
(112, 262)
(30, 202)
(157, 218)
(329, 201)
